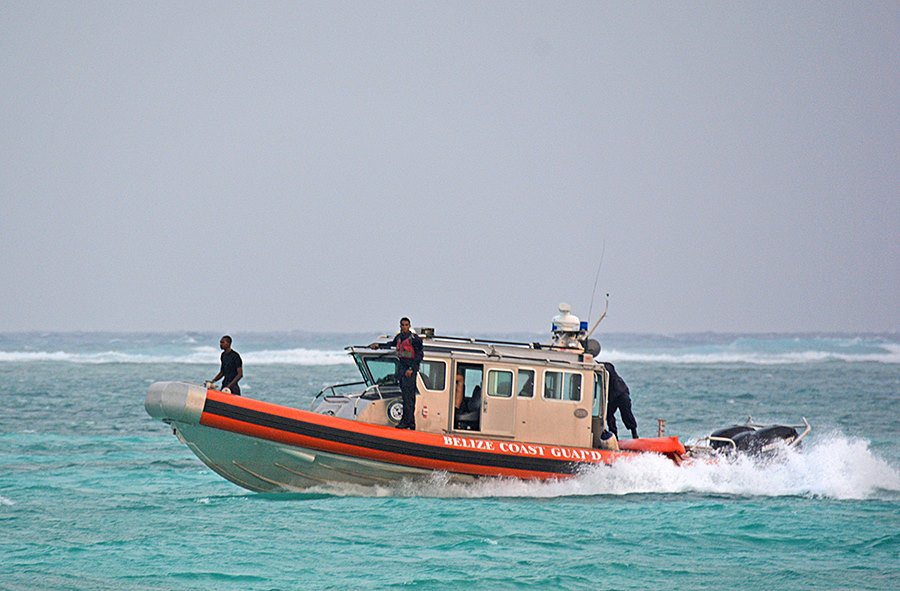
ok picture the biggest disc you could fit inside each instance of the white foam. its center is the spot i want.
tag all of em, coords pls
(890, 354)
(833, 467)
(198, 356)
(6, 502)
(298, 357)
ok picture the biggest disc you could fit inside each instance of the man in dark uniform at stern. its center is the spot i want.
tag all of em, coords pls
(232, 369)
(409, 356)
(619, 399)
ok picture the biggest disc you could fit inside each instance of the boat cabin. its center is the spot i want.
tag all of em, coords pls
(525, 392)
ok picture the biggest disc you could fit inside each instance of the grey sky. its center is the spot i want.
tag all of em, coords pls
(332, 166)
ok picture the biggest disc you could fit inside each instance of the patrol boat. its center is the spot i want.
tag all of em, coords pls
(528, 410)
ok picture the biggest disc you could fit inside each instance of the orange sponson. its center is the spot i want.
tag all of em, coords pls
(661, 445)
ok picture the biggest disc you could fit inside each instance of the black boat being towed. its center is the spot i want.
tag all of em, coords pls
(751, 438)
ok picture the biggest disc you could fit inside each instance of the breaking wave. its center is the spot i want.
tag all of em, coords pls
(303, 356)
(689, 350)
(890, 353)
(199, 355)
(835, 466)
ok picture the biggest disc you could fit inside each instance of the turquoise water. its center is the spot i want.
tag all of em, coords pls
(94, 494)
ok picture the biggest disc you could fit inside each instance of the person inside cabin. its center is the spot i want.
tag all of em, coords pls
(619, 399)
(232, 368)
(409, 356)
(460, 390)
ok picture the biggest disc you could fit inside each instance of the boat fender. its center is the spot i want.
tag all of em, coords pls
(608, 441)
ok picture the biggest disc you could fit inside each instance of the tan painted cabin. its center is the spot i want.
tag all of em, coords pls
(565, 405)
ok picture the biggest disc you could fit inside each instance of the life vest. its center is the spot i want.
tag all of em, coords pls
(405, 349)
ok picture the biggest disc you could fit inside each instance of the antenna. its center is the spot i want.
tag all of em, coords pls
(599, 320)
(596, 277)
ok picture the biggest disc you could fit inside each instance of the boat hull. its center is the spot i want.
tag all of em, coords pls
(261, 465)
(267, 447)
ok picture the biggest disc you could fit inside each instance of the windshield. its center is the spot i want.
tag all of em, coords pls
(378, 369)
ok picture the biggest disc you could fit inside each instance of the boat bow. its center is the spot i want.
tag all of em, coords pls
(176, 401)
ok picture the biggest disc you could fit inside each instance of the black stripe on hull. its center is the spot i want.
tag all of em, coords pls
(407, 448)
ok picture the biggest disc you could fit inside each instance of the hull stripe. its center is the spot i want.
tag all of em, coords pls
(388, 445)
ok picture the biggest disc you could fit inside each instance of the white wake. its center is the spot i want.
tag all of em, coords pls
(833, 466)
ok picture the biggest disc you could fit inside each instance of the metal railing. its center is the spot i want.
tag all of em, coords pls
(354, 397)
(334, 394)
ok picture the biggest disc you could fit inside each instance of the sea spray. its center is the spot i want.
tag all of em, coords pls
(833, 466)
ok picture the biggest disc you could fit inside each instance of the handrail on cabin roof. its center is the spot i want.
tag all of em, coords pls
(449, 348)
(532, 345)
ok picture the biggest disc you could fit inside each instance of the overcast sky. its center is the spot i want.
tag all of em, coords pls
(334, 165)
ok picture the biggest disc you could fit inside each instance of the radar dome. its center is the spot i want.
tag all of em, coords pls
(568, 329)
(566, 321)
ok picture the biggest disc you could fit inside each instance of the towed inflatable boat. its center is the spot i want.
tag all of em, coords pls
(527, 410)
(750, 438)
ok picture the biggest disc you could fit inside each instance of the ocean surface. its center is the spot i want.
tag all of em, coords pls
(94, 494)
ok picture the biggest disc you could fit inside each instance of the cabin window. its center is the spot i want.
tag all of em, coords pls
(500, 383)
(559, 385)
(383, 370)
(434, 374)
(526, 383)
(598, 394)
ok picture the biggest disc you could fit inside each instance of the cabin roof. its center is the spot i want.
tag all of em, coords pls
(506, 351)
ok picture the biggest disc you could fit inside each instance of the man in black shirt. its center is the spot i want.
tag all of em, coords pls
(409, 355)
(619, 399)
(232, 369)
